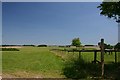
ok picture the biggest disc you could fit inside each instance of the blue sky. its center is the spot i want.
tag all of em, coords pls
(51, 0)
(56, 23)
(0, 23)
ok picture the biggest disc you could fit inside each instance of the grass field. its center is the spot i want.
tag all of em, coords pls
(31, 62)
(38, 62)
(0, 63)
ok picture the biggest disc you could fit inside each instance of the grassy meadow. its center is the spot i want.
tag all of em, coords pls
(31, 62)
(41, 62)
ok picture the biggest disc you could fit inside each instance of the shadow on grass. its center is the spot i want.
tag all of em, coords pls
(79, 69)
(112, 71)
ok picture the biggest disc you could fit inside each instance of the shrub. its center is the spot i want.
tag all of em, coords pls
(79, 69)
(29, 45)
(42, 45)
(9, 49)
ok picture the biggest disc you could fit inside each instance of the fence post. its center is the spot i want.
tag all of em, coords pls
(102, 57)
(95, 56)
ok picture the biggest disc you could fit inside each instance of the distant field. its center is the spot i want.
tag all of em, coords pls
(40, 62)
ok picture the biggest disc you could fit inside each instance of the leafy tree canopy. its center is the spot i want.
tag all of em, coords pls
(106, 46)
(76, 42)
(117, 46)
(110, 9)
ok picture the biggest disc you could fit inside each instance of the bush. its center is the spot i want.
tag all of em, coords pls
(42, 45)
(62, 46)
(29, 45)
(9, 49)
(79, 69)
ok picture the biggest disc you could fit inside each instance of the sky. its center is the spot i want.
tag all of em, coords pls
(54, 0)
(0, 23)
(55, 23)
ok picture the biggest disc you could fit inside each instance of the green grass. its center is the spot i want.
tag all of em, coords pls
(83, 67)
(0, 62)
(41, 62)
(88, 56)
(31, 60)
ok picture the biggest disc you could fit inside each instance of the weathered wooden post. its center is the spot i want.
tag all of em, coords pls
(95, 56)
(102, 57)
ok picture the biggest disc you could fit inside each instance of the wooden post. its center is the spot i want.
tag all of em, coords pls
(115, 57)
(102, 57)
(95, 56)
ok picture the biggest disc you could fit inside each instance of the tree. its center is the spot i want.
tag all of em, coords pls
(76, 42)
(109, 46)
(106, 46)
(117, 46)
(111, 10)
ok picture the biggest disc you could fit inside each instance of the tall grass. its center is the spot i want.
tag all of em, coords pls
(81, 69)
